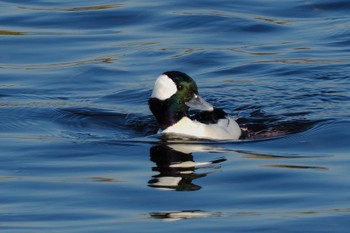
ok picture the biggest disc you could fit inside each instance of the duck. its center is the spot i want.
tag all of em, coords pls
(175, 96)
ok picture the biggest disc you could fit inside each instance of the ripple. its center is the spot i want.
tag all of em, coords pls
(76, 8)
(11, 33)
(77, 135)
(103, 124)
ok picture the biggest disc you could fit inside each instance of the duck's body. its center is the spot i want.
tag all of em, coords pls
(173, 95)
(224, 129)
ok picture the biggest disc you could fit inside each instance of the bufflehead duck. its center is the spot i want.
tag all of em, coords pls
(173, 95)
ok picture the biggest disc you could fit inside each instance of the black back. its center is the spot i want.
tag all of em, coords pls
(210, 117)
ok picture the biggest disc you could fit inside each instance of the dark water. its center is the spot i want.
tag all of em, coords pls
(77, 145)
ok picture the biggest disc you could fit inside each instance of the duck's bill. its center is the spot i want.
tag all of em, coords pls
(198, 103)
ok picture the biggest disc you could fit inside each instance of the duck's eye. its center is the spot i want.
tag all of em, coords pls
(179, 87)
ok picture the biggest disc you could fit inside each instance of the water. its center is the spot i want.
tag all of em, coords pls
(78, 151)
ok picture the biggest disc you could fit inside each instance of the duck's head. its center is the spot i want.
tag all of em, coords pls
(173, 94)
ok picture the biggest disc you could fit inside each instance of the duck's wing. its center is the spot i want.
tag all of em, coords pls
(209, 117)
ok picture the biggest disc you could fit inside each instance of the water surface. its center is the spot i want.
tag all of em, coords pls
(78, 145)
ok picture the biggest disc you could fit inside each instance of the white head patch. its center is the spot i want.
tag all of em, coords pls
(164, 88)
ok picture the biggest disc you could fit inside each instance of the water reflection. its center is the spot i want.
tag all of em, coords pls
(183, 214)
(177, 167)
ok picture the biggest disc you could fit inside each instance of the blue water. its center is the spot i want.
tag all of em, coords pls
(78, 150)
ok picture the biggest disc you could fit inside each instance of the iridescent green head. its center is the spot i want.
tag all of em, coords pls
(173, 94)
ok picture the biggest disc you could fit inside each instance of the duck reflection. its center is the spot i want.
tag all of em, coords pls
(183, 214)
(177, 168)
